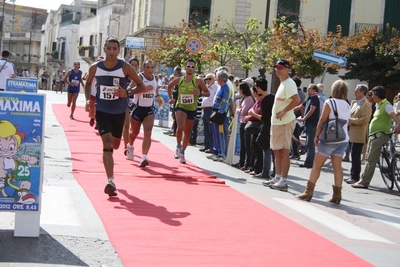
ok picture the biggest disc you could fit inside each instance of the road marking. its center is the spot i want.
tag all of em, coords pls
(57, 207)
(381, 216)
(333, 222)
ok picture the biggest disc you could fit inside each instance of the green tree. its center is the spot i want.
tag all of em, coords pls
(376, 60)
(297, 46)
(247, 46)
(171, 49)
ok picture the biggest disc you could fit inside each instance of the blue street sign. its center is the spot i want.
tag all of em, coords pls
(341, 61)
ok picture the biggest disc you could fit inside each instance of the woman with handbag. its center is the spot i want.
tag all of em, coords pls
(335, 108)
(263, 137)
(246, 103)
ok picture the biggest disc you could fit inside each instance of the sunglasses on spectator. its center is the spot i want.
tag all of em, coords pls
(191, 67)
(369, 94)
(207, 79)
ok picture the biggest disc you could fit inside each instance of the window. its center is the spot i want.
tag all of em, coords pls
(133, 16)
(289, 9)
(392, 15)
(146, 11)
(199, 12)
(339, 14)
(139, 13)
(62, 55)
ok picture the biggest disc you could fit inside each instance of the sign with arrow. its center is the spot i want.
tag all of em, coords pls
(331, 58)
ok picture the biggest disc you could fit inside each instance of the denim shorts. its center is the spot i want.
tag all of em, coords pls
(327, 150)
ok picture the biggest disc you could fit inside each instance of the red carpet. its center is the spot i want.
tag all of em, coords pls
(170, 214)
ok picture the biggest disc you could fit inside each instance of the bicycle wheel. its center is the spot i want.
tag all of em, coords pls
(386, 169)
(396, 170)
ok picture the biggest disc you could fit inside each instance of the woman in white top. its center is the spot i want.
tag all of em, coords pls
(335, 150)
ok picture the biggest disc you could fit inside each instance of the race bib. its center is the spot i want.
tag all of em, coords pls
(75, 82)
(107, 92)
(187, 99)
(148, 96)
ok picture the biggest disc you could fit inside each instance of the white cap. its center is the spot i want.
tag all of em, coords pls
(249, 80)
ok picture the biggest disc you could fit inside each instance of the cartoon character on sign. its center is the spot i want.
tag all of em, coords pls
(14, 172)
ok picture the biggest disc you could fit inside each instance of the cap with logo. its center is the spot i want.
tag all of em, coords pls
(283, 63)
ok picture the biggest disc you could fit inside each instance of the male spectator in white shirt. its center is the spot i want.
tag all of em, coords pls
(282, 124)
(7, 69)
(207, 105)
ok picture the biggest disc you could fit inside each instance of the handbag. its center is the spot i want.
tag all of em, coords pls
(333, 129)
(252, 127)
(218, 118)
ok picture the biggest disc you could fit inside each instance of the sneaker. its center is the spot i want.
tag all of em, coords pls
(280, 185)
(221, 159)
(269, 182)
(177, 153)
(130, 152)
(182, 158)
(71, 117)
(214, 157)
(110, 189)
(168, 132)
(143, 163)
(210, 156)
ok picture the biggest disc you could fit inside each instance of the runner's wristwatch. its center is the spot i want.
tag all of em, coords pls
(129, 91)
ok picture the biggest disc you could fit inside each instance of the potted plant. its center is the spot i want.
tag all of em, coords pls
(84, 47)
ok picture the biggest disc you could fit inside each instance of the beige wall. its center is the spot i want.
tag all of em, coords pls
(314, 14)
(175, 11)
(368, 11)
(258, 9)
(226, 12)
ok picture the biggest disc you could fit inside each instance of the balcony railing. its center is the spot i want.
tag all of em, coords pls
(359, 27)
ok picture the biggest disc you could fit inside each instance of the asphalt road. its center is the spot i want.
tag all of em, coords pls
(367, 222)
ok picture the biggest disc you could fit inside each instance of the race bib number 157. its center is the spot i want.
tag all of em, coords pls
(107, 92)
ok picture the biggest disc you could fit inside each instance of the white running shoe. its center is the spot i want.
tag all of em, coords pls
(130, 152)
(182, 158)
(177, 152)
(110, 188)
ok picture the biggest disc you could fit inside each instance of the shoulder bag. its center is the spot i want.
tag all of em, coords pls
(333, 129)
(218, 118)
(252, 127)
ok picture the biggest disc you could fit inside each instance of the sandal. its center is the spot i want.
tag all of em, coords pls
(359, 186)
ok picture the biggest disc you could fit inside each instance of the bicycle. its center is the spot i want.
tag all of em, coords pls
(396, 164)
(387, 155)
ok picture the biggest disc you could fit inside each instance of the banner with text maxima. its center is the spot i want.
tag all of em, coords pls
(29, 85)
(21, 156)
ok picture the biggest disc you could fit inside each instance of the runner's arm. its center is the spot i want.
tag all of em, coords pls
(89, 80)
(131, 73)
(203, 88)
